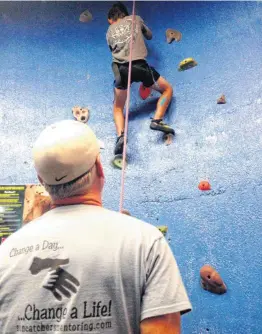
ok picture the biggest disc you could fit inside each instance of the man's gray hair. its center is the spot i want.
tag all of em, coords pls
(71, 188)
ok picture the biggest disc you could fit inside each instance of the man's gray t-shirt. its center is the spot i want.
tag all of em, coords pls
(83, 268)
(119, 35)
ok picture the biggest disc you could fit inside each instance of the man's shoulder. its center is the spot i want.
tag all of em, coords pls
(114, 221)
(134, 225)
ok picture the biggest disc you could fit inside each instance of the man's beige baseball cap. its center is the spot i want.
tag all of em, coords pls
(65, 151)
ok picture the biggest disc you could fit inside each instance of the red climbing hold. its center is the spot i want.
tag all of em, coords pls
(204, 185)
(211, 280)
(144, 92)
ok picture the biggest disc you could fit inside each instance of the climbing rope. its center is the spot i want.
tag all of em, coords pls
(127, 110)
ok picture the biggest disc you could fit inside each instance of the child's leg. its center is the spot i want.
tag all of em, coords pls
(119, 104)
(118, 110)
(163, 87)
(166, 90)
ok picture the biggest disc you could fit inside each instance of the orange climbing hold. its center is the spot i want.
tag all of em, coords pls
(221, 100)
(211, 280)
(144, 92)
(204, 185)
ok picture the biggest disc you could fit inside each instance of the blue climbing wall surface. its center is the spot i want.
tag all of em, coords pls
(49, 62)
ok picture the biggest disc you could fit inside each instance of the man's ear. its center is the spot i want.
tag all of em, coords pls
(40, 180)
(99, 167)
(110, 21)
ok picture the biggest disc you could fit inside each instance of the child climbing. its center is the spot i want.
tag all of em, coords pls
(118, 38)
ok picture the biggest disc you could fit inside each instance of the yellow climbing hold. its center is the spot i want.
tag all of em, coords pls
(162, 229)
(186, 64)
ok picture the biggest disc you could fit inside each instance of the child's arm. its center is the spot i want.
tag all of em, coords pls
(146, 31)
(108, 42)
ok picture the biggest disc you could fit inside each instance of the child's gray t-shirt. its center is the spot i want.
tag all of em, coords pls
(118, 38)
(82, 268)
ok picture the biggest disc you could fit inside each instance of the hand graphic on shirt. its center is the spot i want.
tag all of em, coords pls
(57, 280)
(60, 282)
(39, 264)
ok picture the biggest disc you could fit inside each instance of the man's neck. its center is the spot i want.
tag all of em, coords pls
(87, 199)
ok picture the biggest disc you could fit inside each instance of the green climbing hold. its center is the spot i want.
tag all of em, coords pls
(118, 161)
(162, 229)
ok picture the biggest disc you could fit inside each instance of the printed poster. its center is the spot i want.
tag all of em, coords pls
(19, 204)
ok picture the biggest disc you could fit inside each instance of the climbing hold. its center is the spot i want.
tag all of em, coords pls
(85, 17)
(126, 212)
(173, 35)
(162, 229)
(144, 92)
(118, 161)
(211, 280)
(81, 114)
(186, 64)
(221, 100)
(204, 185)
(168, 138)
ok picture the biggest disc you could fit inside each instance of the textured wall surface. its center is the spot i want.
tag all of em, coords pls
(49, 62)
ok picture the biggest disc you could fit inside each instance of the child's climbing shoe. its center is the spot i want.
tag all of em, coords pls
(119, 144)
(159, 125)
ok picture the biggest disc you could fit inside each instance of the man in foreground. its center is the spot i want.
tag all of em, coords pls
(79, 267)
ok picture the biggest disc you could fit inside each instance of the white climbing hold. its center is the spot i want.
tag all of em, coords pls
(86, 16)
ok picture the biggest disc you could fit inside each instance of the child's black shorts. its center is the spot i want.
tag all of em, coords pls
(141, 72)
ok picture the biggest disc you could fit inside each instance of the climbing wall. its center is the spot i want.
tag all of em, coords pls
(51, 62)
